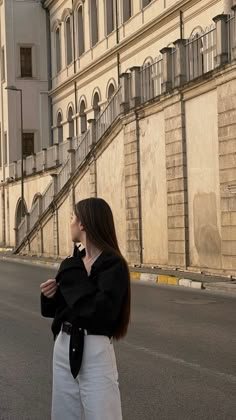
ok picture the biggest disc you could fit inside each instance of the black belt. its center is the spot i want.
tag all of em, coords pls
(67, 328)
(76, 346)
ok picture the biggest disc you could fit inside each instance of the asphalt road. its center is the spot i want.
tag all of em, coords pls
(178, 361)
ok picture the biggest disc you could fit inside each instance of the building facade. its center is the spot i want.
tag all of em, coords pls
(142, 114)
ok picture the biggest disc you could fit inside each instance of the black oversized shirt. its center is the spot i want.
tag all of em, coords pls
(93, 302)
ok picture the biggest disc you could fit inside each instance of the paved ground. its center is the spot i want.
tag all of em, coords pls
(177, 363)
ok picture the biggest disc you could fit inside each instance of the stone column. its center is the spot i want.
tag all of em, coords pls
(56, 154)
(167, 69)
(93, 177)
(135, 87)
(34, 163)
(71, 153)
(15, 169)
(55, 186)
(125, 92)
(56, 249)
(233, 41)
(180, 63)
(92, 128)
(45, 165)
(132, 193)
(222, 53)
(177, 198)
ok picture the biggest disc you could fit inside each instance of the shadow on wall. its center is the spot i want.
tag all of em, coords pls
(206, 234)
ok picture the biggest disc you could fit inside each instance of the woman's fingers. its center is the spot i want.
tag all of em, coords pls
(49, 287)
(48, 282)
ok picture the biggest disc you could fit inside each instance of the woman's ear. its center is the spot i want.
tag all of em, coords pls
(81, 228)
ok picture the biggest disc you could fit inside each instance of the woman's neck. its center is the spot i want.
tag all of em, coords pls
(91, 250)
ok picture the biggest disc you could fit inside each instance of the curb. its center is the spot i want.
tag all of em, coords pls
(167, 280)
(134, 275)
(34, 262)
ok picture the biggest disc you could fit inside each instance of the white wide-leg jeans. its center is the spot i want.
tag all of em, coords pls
(94, 394)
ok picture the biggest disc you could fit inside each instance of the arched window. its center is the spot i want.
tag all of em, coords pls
(111, 90)
(96, 106)
(83, 118)
(127, 10)
(59, 128)
(68, 41)
(20, 212)
(110, 16)
(194, 56)
(36, 197)
(147, 84)
(58, 50)
(71, 122)
(80, 31)
(146, 2)
(94, 21)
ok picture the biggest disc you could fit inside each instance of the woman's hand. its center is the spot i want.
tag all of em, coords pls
(49, 288)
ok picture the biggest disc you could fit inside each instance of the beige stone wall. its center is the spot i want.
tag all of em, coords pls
(32, 186)
(154, 190)
(82, 188)
(168, 172)
(141, 38)
(49, 244)
(110, 184)
(226, 100)
(64, 219)
(203, 181)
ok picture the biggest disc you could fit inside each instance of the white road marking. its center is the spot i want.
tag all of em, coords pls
(225, 376)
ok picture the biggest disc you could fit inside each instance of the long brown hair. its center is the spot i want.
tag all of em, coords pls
(97, 219)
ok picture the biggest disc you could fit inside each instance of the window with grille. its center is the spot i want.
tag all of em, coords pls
(94, 21)
(110, 16)
(26, 61)
(127, 10)
(28, 144)
(146, 2)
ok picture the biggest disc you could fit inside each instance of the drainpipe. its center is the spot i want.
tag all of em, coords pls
(139, 187)
(3, 214)
(117, 40)
(50, 108)
(181, 24)
(75, 85)
(3, 160)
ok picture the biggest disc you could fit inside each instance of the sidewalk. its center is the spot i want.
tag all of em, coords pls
(141, 274)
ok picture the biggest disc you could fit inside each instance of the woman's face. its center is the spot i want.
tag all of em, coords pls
(76, 229)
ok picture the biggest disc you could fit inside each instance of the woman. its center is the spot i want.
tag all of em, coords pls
(90, 303)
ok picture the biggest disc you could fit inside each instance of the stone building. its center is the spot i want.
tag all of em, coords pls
(142, 105)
